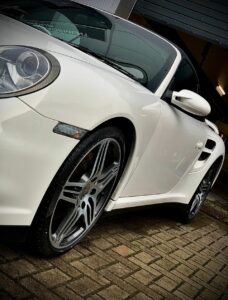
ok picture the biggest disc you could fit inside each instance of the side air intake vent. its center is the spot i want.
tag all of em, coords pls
(210, 144)
(206, 153)
(208, 149)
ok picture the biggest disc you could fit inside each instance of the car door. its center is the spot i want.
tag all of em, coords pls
(175, 144)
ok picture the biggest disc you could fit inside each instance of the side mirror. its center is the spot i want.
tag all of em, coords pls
(191, 102)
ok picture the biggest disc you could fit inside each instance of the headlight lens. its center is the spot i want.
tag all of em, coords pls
(24, 70)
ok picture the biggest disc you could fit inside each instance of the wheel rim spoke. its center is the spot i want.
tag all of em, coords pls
(70, 192)
(100, 159)
(195, 203)
(88, 212)
(66, 226)
(108, 176)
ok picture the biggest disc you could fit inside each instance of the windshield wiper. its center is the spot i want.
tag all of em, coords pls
(5, 9)
(103, 58)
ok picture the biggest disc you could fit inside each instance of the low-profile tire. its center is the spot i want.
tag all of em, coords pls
(79, 192)
(189, 211)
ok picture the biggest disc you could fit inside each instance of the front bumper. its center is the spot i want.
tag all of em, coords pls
(30, 156)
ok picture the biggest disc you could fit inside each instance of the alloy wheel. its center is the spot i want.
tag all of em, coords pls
(85, 193)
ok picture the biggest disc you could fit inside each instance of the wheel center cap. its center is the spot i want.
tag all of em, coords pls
(87, 188)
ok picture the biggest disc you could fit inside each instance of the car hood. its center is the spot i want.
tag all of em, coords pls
(13, 32)
(87, 92)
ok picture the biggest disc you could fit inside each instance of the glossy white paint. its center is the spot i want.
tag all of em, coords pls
(182, 192)
(30, 156)
(170, 145)
(163, 163)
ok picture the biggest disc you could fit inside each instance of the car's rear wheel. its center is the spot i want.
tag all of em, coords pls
(192, 209)
(79, 192)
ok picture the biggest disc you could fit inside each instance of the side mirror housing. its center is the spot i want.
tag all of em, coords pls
(191, 102)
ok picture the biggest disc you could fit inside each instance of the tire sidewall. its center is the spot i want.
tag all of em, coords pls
(43, 217)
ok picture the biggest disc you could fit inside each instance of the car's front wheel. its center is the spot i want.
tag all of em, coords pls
(79, 192)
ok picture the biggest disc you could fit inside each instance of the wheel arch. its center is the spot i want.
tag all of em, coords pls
(218, 161)
(128, 129)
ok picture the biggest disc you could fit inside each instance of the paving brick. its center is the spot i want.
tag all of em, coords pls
(180, 242)
(189, 290)
(40, 264)
(94, 262)
(199, 259)
(166, 248)
(12, 288)
(94, 297)
(38, 289)
(113, 292)
(143, 276)
(225, 270)
(214, 265)
(192, 236)
(164, 236)
(119, 269)
(83, 286)
(123, 260)
(144, 257)
(83, 249)
(220, 282)
(123, 284)
(66, 268)
(167, 263)
(183, 254)
(102, 244)
(167, 283)
(140, 296)
(18, 268)
(130, 236)
(123, 250)
(206, 285)
(67, 294)
(154, 273)
(184, 270)
(132, 257)
(102, 254)
(113, 241)
(205, 276)
(206, 240)
(162, 292)
(52, 277)
(208, 252)
(144, 289)
(90, 273)
(196, 247)
(181, 296)
(148, 241)
(71, 255)
(208, 294)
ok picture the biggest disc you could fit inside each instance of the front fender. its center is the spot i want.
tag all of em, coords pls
(86, 95)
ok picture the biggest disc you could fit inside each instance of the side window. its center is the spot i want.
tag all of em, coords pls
(185, 78)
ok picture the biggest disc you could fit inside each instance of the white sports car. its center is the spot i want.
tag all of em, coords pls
(96, 113)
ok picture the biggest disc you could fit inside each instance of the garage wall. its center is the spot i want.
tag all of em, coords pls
(110, 5)
(207, 19)
(120, 8)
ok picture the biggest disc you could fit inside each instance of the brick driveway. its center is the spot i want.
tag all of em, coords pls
(140, 255)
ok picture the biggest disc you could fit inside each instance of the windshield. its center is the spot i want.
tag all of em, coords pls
(133, 50)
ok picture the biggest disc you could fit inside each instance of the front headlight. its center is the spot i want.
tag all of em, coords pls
(25, 70)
